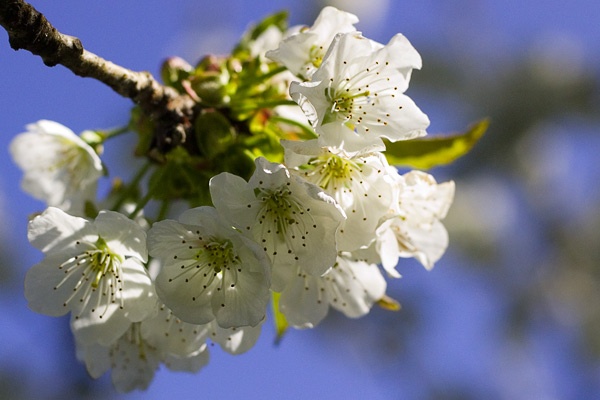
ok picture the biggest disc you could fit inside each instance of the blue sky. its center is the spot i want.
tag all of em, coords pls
(458, 346)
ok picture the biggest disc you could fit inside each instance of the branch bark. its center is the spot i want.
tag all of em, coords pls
(171, 111)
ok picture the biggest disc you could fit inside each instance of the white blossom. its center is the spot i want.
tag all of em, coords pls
(94, 269)
(180, 340)
(133, 359)
(361, 84)
(303, 50)
(163, 339)
(413, 227)
(266, 41)
(359, 182)
(294, 221)
(210, 270)
(351, 287)
(59, 167)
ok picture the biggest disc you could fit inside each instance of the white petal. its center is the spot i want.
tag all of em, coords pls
(139, 296)
(245, 295)
(389, 250)
(303, 51)
(173, 336)
(106, 312)
(95, 356)
(189, 302)
(44, 293)
(428, 244)
(231, 196)
(123, 236)
(424, 197)
(133, 364)
(311, 99)
(303, 302)
(354, 286)
(342, 137)
(56, 231)
(416, 222)
(294, 53)
(191, 363)
(235, 340)
(104, 325)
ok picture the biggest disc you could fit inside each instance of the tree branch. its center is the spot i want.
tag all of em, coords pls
(171, 111)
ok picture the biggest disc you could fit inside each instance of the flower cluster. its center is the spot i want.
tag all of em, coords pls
(292, 201)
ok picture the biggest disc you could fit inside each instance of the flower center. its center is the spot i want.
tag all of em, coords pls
(330, 171)
(280, 212)
(217, 255)
(99, 272)
(316, 54)
(214, 256)
(342, 102)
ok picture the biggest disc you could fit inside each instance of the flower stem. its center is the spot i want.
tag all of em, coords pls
(131, 188)
(114, 132)
(164, 209)
(152, 189)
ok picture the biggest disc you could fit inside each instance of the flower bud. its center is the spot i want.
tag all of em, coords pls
(214, 133)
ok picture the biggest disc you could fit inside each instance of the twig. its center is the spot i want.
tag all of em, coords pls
(171, 111)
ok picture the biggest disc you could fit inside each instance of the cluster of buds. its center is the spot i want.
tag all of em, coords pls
(292, 202)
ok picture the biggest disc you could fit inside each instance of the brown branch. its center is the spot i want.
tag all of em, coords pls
(28, 29)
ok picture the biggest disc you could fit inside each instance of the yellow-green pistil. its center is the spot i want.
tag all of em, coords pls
(280, 212)
(331, 172)
(281, 219)
(217, 255)
(316, 54)
(342, 103)
(93, 266)
(213, 257)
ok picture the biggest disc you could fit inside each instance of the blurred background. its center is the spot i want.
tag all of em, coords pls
(512, 311)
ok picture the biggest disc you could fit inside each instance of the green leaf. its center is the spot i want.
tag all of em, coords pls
(281, 324)
(428, 152)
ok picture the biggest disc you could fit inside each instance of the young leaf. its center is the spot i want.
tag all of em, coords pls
(387, 303)
(428, 152)
(281, 324)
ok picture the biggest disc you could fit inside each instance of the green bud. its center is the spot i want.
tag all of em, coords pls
(210, 81)
(175, 70)
(94, 139)
(237, 161)
(181, 177)
(214, 133)
(210, 88)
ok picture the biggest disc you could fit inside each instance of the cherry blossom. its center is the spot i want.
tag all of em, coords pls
(361, 84)
(59, 167)
(303, 50)
(293, 220)
(93, 269)
(209, 270)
